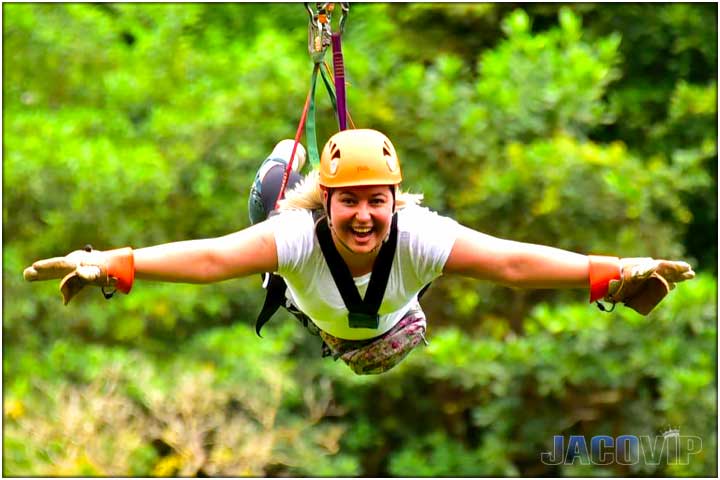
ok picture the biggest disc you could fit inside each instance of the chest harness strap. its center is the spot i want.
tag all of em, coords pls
(362, 313)
(275, 284)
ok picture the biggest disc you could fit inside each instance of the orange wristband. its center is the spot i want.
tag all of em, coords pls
(602, 270)
(121, 265)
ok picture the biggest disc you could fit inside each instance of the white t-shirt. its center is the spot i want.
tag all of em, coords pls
(425, 240)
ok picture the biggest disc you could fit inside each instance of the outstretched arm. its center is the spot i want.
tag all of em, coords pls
(239, 254)
(639, 283)
(194, 261)
(516, 264)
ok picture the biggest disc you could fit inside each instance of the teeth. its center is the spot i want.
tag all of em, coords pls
(362, 230)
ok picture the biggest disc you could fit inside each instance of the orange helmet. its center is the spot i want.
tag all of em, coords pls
(359, 157)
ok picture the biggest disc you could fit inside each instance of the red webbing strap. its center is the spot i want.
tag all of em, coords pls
(339, 68)
(288, 169)
(601, 271)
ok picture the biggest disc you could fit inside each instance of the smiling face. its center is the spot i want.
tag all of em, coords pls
(360, 218)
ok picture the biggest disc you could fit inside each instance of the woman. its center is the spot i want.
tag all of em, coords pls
(355, 251)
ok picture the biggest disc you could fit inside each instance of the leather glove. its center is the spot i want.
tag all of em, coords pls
(112, 268)
(638, 283)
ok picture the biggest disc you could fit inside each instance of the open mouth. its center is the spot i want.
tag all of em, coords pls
(361, 232)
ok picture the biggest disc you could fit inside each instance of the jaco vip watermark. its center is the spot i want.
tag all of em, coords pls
(669, 448)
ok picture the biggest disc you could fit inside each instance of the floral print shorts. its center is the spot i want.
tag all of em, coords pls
(380, 354)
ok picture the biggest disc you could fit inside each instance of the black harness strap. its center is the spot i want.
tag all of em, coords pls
(362, 313)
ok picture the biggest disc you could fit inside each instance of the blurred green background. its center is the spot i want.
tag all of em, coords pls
(590, 127)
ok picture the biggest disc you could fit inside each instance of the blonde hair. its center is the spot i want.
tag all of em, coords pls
(307, 195)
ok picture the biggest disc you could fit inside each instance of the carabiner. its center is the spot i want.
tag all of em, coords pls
(311, 14)
(345, 6)
(319, 33)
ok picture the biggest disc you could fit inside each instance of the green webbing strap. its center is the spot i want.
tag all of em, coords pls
(310, 129)
(310, 134)
(330, 89)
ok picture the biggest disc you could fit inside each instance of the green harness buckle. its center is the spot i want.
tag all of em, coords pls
(363, 320)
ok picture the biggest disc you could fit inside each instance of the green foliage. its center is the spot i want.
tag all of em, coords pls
(574, 372)
(435, 456)
(590, 127)
(212, 408)
(529, 91)
(642, 198)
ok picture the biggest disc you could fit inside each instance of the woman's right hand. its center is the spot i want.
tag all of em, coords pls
(113, 268)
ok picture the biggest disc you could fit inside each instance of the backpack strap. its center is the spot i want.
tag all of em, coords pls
(274, 299)
(423, 290)
(275, 292)
(362, 313)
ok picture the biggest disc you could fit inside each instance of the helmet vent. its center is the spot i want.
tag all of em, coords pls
(386, 149)
(389, 157)
(334, 151)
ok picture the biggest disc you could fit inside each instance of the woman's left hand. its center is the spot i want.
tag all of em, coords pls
(644, 282)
